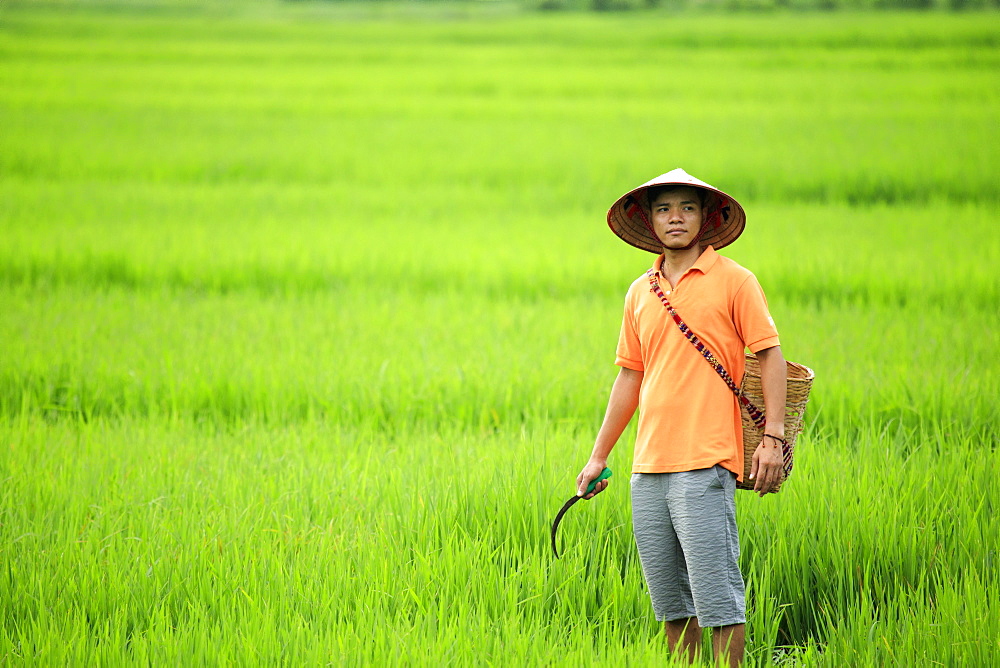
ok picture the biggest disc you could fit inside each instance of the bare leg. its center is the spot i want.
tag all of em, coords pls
(728, 645)
(687, 634)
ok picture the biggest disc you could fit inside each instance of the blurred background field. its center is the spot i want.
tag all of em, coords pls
(308, 315)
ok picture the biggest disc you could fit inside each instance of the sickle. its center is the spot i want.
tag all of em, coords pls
(605, 474)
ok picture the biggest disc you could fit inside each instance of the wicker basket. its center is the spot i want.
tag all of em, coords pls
(800, 379)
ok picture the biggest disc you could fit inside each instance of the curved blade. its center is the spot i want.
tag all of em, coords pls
(555, 524)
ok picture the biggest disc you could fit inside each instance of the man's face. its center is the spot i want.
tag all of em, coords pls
(677, 216)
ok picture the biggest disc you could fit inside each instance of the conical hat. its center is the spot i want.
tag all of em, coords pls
(724, 217)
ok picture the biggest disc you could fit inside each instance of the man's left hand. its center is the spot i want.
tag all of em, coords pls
(767, 466)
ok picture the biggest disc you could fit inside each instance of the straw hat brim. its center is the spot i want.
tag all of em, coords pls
(724, 216)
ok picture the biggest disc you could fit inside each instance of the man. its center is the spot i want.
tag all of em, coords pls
(689, 448)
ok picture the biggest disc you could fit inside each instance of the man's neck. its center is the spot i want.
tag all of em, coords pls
(676, 262)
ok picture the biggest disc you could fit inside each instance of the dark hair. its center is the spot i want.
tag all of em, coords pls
(704, 197)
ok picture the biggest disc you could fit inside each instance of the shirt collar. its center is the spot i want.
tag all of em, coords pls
(704, 263)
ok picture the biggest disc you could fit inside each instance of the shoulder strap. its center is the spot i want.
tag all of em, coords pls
(755, 413)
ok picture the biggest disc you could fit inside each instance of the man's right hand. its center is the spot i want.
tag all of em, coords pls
(589, 472)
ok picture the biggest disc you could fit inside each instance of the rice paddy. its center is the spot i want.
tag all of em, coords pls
(308, 315)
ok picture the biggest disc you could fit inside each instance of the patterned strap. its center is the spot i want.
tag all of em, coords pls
(755, 414)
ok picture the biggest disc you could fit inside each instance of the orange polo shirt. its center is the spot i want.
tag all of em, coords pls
(688, 417)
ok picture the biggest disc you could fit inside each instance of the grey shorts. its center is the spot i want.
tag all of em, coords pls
(685, 529)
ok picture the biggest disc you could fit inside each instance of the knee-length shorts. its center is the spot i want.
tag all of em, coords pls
(685, 529)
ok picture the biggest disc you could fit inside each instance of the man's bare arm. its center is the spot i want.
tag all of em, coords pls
(767, 459)
(621, 406)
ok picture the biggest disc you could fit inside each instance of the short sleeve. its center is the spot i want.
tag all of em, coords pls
(629, 352)
(752, 319)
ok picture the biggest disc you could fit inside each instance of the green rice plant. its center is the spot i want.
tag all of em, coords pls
(184, 539)
(308, 315)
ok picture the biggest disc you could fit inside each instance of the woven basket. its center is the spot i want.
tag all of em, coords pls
(800, 379)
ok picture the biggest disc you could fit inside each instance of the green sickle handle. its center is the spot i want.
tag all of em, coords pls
(605, 474)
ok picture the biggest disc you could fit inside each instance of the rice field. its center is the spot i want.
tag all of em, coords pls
(308, 315)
